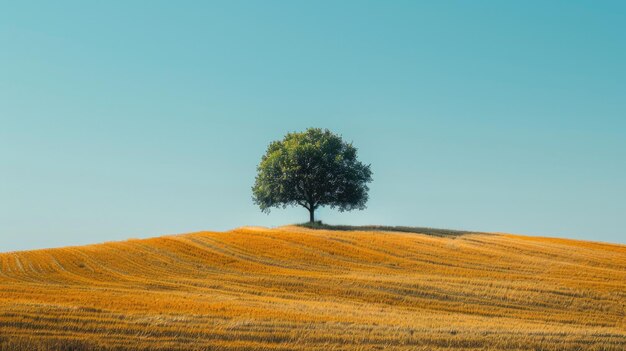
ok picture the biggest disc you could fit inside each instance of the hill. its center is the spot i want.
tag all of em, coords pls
(295, 288)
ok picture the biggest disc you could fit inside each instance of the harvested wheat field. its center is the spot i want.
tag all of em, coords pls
(293, 288)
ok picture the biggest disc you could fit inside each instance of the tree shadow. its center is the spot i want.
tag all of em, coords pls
(444, 233)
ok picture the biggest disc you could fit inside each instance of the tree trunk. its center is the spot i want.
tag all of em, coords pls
(311, 215)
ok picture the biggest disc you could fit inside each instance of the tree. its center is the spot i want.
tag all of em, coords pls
(313, 168)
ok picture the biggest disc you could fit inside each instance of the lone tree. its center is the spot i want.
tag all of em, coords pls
(311, 169)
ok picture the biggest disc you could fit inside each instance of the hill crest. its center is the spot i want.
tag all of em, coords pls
(255, 288)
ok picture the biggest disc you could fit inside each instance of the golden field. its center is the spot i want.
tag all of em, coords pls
(293, 288)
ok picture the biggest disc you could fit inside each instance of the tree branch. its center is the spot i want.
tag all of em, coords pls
(303, 204)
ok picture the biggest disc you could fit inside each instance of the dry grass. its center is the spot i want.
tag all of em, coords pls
(301, 289)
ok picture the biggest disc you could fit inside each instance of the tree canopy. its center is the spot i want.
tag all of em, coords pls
(311, 169)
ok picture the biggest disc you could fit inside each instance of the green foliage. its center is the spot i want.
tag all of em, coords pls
(311, 169)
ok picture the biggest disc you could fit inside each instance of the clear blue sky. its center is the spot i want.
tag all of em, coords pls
(127, 119)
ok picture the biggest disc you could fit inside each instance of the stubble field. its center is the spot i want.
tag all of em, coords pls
(293, 288)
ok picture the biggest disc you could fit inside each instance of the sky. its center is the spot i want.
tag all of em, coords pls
(131, 119)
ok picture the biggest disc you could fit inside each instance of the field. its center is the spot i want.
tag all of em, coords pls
(293, 288)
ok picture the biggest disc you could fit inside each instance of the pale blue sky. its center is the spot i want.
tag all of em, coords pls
(127, 119)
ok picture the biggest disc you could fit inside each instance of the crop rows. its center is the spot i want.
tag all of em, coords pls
(294, 288)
